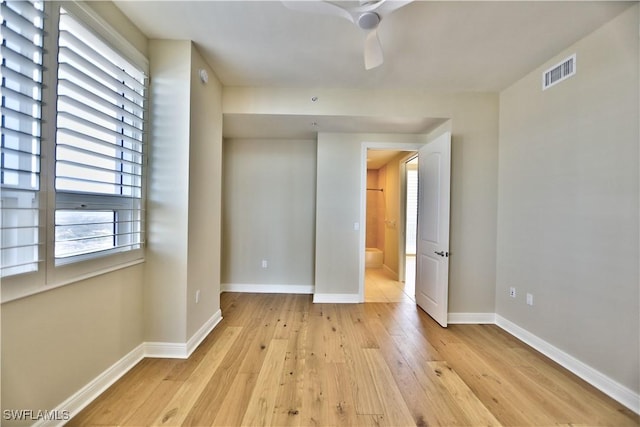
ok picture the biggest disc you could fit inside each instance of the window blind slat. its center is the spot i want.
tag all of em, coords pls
(21, 99)
(99, 236)
(68, 105)
(72, 149)
(14, 59)
(20, 119)
(21, 69)
(95, 127)
(22, 141)
(26, 83)
(97, 183)
(83, 166)
(71, 44)
(26, 10)
(101, 143)
(70, 73)
(77, 91)
(22, 43)
(74, 59)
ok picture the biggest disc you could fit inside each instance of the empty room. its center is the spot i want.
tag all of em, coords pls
(320, 213)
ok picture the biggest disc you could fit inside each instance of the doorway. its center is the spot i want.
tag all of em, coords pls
(432, 247)
(390, 221)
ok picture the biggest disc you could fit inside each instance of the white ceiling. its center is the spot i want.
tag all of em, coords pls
(445, 46)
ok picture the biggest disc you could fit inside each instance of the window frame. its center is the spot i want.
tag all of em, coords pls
(54, 273)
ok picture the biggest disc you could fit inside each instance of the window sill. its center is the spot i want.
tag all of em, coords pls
(16, 291)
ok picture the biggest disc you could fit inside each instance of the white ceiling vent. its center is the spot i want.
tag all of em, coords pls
(559, 72)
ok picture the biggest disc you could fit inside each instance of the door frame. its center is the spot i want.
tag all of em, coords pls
(403, 215)
(365, 146)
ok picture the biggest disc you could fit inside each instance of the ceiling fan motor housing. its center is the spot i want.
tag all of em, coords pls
(368, 20)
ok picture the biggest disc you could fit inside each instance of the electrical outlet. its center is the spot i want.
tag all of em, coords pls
(265, 263)
(512, 292)
(198, 296)
(530, 299)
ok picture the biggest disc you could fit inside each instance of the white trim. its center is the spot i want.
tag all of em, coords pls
(471, 318)
(12, 293)
(612, 388)
(165, 350)
(336, 299)
(87, 394)
(202, 333)
(177, 350)
(364, 146)
(257, 288)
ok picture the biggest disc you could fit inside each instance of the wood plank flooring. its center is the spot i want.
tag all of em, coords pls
(281, 360)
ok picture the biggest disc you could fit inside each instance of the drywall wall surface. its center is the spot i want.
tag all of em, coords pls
(56, 342)
(568, 203)
(269, 214)
(168, 192)
(205, 195)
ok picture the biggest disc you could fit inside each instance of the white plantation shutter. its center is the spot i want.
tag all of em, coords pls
(99, 145)
(22, 36)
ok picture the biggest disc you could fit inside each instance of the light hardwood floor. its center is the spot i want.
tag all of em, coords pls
(379, 287)
(281, 360)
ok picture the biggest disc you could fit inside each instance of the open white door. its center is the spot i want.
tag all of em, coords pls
(432, 257)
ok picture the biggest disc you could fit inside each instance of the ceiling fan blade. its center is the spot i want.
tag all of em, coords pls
(321, 7)
(373, 56)
(385, 7)
(381, 7)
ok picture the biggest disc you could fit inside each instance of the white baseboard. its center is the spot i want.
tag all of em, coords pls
(471, 318)
(79, 400)
(202, 333)
(165, 350)
(336, 299)
(266, 288)
(612, 388)
(171, 350)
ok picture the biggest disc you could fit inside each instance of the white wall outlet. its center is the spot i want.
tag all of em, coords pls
(529, 299)
(356, 226)
(198, 296)
(265, 263)
(512, 292)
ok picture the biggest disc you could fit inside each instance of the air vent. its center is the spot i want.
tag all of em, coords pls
(559, 72)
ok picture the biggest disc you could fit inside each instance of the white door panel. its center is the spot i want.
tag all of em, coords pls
(432, 272)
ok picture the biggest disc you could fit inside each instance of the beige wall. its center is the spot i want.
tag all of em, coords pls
(183, 252)
(568, 203)
(55, 342)
(269, 212)
(168, 192)
(205, 195)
